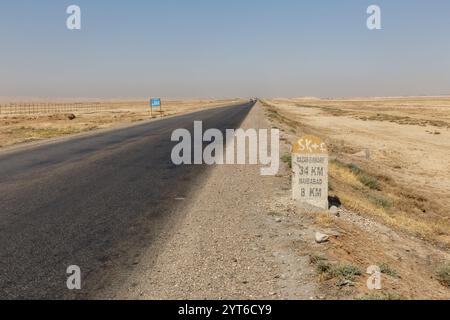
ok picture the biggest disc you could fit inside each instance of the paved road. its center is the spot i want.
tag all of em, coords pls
(94, 201)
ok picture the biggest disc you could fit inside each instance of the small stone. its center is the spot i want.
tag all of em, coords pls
(278, 220)
(321, 238)
(334, 211)
(71, 116)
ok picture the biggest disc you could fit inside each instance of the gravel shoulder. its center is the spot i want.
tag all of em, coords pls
(231, 243)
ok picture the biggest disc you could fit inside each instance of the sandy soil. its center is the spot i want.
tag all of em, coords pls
(409, 161)
(16, 129)
(412, 154)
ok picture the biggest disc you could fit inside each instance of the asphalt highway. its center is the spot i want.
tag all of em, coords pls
(95, 201)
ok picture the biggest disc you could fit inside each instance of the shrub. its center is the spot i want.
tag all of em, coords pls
(355, 169)
(323, 267)
(346, 271)
(380, 201)
(315, 259)
(386, 269)
(369, 181)
(443, 275)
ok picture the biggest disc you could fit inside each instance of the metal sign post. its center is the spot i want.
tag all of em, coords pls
(154, 103)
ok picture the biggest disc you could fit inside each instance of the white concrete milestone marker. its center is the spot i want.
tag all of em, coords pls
(310, 167)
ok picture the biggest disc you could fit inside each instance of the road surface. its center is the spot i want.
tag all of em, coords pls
(95, 201)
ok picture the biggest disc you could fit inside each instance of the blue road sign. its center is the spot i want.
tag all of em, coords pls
(154, 103)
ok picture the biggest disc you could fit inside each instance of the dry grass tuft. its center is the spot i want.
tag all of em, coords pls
(324, 219)
(443, 275)
(368, 198)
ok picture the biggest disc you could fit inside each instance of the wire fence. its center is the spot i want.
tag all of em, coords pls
(55, 108)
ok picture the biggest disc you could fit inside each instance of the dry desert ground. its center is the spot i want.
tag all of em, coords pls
(49, 119)
(390, 170)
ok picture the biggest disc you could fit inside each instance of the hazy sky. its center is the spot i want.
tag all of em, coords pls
(224, 48)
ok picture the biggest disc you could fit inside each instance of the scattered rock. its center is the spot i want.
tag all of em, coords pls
(334, 211)
(321, 238)
(71, 116)
(278, 220)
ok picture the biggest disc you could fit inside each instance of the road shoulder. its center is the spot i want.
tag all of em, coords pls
(229, 244)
